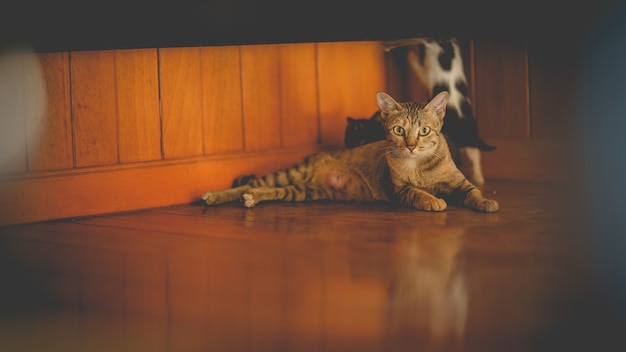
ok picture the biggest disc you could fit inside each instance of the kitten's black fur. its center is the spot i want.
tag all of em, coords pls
(460, 124)
(362, 131)
(463, 131)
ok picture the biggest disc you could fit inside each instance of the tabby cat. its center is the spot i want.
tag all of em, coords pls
(439, 66)
(412, 167)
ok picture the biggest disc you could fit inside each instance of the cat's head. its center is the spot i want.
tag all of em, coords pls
(413, 129)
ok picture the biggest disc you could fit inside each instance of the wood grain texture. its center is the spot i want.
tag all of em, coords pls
(50, 148)
(501, 97)
(112, 190)
(293, 97)
(530, 160)
(19, 72)
(555, 68)
(298, 89)
(261, 97)
(302, 277)
(222, 99)
(181, 101)
(349, 74)
(94, 107)
(397, 77)
(137, 88)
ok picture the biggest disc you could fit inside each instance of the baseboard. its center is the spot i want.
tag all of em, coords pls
(528, 159)
(77, 193)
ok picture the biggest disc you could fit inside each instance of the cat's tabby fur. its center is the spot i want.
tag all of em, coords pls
(412, 167)
(438, 64)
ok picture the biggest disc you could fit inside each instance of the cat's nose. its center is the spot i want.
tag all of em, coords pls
(410, 147)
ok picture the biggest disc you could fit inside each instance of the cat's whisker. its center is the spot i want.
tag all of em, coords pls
(437, 155)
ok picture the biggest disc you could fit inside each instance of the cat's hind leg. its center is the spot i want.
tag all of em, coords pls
(289, 193)
(224, 196)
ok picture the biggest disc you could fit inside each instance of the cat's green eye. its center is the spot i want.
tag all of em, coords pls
(424, 130)
(398, 130)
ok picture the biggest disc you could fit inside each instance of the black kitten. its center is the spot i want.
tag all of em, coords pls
(363, 131)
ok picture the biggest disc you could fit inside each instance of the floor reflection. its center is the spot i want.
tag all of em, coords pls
(284, 277)
(428, 296)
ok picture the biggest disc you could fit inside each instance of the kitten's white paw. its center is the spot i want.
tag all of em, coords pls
(478, 180)
(248, 200)
(209, 198)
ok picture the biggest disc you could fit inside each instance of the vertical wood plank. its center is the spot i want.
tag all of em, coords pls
(349, 74)
(261, 97)
(137, 90)
(14, 108)
(51, 147)
(222, 100)
(181, 99)
(367, 75)
(298, 103)
(554, 85)
(94, 106)
(417, 91)
(397, 76)
(501, 101)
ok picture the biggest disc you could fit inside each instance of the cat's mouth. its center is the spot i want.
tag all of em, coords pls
(416, 150)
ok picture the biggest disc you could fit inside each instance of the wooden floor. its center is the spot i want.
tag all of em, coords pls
(309, 277)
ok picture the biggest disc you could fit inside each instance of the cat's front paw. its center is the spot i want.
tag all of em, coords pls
(209, 198)
(247, 200)
(432, 204)
(487, 206)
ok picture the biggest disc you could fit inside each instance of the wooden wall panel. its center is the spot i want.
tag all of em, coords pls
(14, 109)
(529, 160)
(367, 76)
(137, 87)
(181, 97)
(114, 189)
(335, 88)
(202, 110)
(349, 74)
(298, 88)
(222, 101)
(501, 96)
(94, 106)
(555, 69)
(50, 148)
(261, 96)
(397, 77)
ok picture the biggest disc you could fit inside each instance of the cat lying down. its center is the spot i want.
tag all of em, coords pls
(412, 167)
(438, 65)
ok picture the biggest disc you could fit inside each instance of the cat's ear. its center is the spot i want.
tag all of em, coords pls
(386, 104)
(350, 120)
(438, 104)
